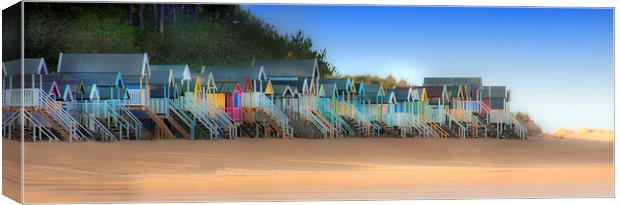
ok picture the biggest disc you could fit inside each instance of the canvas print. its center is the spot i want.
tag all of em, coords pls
(162, 102)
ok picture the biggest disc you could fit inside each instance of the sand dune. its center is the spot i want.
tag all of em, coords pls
(585, 134)
(276, 169)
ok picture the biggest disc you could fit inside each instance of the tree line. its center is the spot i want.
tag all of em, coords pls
(195, 34)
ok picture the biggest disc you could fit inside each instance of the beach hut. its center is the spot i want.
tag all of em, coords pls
(471, 82)
(136, 73)
(134, 68)
(34, 69)
(42, 109)
(372, 98)
(287, 70)
(250, 79)
(32, 66)
(110, 85)
(495, 108)
(398, 97)
(494, 97)
(229, 97)
(181, 72)
(211, 102)
(162, 84)
(181, 78)
(343, 86)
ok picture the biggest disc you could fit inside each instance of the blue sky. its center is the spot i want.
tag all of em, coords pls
(558, 62)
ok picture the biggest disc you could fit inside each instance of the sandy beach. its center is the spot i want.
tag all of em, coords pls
(300, 169)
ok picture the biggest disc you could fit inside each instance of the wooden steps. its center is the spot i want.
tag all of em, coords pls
(55, 126)
(112, 127)
(161, 130)
(331, 127)
(178, 127)
(435, 127)
(388, 130)
(250, 126)
(355, 125)
(302, 126)
(439, 130)
(272, 123)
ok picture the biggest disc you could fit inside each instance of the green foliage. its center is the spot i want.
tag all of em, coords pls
(523, 117)
(193, 34)
(388, 81)
(531, 126)
(11, 32)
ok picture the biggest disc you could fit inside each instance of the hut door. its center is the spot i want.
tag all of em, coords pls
(236, 99)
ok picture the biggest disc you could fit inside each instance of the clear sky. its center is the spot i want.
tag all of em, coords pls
(558, 62)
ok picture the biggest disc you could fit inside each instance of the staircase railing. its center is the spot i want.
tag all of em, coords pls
(484, 109)
(223, 119)
(199, 112)
(461, 130)
(97, 127)
(519, 129)
(14, 97)
(300, 123)
(63, 118)
(358, 116)
(341, 125)
(310, 108)
(424, 129)
(436, 130)
(401, 120)
(327, 109)
(479, 124)
(325, 131)
(39, 130)
(273, 112)
(304, 106)
(43, 131)
(7, 124)
(188, 121)
(126, 114)
(103, 110)
(423, 126)
(367, 114)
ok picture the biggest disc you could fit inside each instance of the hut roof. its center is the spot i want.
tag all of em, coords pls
(473, 82)
(92, 91)
(371, 89)
(31, 66)
(299, 68)
(278, 90)
(76, 87)
(161, 75)
(433, 91)
(134, 64)
(329, 89)
(195, 80)
(296, 85)
(46, 80)
(102, 79)
(133, 81)
(181, 72)
(340, 82)
(401, 93)
(232, 74)
(226, 87)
